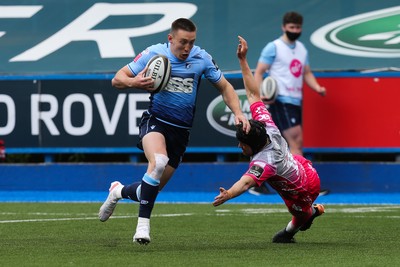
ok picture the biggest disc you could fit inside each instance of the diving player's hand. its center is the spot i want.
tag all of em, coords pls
(242, 48)
(222, 197)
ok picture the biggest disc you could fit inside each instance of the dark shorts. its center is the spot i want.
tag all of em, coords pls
(176, 138)
(285, 115)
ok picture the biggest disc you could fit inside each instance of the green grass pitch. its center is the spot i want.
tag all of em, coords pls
(70, 234)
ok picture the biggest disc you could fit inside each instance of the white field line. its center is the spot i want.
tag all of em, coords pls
(218, 212)
(89, 218)
(47, 220)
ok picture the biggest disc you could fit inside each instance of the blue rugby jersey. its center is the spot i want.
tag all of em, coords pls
(175, 104)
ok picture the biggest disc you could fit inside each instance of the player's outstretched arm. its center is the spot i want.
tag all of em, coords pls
(237, 189)
(252, 90)
(231, 99)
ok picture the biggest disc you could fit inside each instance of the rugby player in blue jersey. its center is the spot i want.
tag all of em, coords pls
(165, 126)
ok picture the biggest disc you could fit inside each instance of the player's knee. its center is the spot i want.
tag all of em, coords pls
(161, 162)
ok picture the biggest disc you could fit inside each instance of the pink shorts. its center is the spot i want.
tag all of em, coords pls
(313, 188)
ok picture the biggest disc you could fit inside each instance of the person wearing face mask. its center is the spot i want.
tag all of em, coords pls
(286, 60)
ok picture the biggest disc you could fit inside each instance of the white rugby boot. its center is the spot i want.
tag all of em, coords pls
(142, 235)
(107, 209)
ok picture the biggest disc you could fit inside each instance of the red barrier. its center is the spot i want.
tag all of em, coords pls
(356, 113)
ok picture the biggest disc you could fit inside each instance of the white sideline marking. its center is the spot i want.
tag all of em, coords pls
(82, 219)
(218, 212)
(47, 220)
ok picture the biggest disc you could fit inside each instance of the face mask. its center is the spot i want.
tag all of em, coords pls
(293, 36)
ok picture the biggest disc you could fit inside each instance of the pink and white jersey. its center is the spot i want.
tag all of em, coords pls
(275, 164)
(288, 68)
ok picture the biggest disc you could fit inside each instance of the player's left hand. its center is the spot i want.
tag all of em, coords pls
(222, 197)
(242, 48)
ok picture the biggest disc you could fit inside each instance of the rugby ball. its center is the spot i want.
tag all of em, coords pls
(159, 68)
(269, 89)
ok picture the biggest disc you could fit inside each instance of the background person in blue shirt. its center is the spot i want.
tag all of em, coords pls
(165, 126)
(286, 60)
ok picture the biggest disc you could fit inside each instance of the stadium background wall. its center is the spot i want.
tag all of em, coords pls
(190, 177)
(90, 114)
(56, 97)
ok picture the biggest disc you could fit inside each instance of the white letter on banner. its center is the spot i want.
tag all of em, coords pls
(112, 43)
(134, 113)
(110, 125)
(45, 116)
(10, 105)
(87, 115)
(11, 12)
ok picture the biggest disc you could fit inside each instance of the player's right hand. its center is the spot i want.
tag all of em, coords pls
(143, 82)
(222, 197)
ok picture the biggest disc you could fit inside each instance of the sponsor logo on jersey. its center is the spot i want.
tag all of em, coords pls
(256, 170)
(374, 34)
(180, 85)
(295, 68)
(137, 57)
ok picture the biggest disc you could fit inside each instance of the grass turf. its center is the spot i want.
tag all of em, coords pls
(70, 234)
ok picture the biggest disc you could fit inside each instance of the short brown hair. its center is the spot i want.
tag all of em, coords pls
(183, 24)
(292, 17)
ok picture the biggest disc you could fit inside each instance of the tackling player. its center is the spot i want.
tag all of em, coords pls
(292, 176)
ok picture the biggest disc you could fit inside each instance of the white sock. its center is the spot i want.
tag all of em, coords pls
(118, 190)
(143, 221)
(290, 228)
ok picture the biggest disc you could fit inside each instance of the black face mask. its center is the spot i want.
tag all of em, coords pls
(293, 36)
